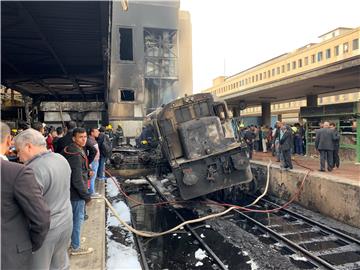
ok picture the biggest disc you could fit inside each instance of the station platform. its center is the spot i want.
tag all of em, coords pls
(334, 194)
(93, 232)
(348, 170)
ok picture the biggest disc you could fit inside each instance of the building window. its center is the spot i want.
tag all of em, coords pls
(278, 70)
(282, 68)
(264, 74)
(312, 58)
(252, 78)
(260, 75)
(160, 58)
(336, 50)
(268, 73)
(273, 72)
(256, 77)
(300, 63)
(319, 56)
(328, 53)
(288, 67)
(337, 98)
(345, 47)
(294, 65)
(355, 44)
(306, 61)
(127, 95)
(126, 44)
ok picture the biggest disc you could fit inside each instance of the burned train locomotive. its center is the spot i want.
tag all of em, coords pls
(196, 140)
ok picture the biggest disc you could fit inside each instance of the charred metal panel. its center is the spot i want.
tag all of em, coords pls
(215, 172)
(201, 137)
(80, 112)
(72, 106)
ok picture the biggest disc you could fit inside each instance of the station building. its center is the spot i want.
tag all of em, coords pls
(151, 60)
(300, 86)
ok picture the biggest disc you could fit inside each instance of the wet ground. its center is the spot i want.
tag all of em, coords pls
(237, 242)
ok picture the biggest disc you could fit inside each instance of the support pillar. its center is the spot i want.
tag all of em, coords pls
(27, 101)
(311, 100)
(266, 114)
(236, 111)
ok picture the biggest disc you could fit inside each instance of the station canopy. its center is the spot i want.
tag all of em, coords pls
(55, 51)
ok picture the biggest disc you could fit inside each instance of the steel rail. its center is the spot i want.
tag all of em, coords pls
(144, 264)
(316, 223)
(189, 228)
(313, 259)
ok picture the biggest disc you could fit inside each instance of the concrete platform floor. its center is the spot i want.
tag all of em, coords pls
(347, 169)
(94, 232)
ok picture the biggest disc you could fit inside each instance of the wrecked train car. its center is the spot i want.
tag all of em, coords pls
(198, 142)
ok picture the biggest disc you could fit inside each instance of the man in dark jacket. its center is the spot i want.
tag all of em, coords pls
(25, 217)
(336, 140)
(68, 139)
(75, 155)
(249, 137)
(285, 146)
(324, 143)
(105, 147)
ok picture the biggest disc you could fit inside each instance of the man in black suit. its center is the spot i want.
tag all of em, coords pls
(285, 146)
(324, 143)
(25, 217)
(336, 140)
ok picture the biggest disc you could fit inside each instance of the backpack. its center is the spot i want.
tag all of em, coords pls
(106, 147)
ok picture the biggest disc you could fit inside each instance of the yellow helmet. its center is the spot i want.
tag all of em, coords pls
(241, 125)
(109, 126)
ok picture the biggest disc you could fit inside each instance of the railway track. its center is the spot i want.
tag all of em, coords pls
(323, 246)
(189, 228)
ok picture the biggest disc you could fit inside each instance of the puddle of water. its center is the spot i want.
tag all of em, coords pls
(302, 264)
(275, 220)
(317, 246)
(232, 256)
(178, 250)
(291, 228)
(342, 258)
(305, 236)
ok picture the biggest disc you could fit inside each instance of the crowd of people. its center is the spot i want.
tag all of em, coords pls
(44, 194)
(284, 141)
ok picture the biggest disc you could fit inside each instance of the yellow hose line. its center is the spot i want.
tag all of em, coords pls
(156, 234)
(266, 187)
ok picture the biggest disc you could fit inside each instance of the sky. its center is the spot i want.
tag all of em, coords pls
(229, 36)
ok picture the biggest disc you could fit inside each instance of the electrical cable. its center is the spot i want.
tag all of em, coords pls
(231, 207)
